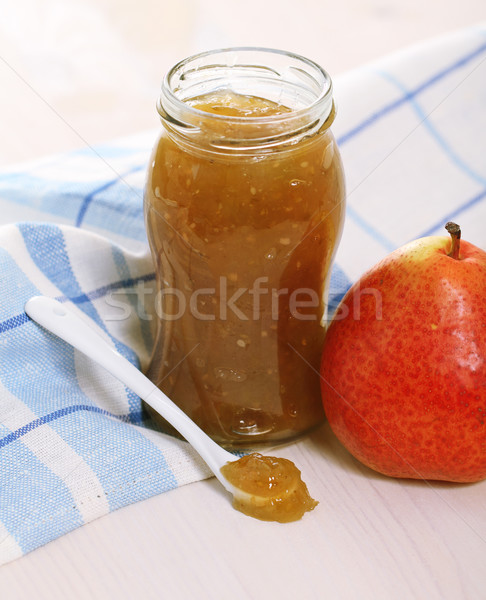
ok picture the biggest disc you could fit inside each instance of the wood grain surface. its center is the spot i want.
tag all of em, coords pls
(370, 537)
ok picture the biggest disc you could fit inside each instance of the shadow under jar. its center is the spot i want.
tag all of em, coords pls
(244, 206)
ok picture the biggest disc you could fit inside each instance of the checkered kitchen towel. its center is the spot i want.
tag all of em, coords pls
(74, 443)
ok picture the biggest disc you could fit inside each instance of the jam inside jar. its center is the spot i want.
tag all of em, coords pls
(244, 206)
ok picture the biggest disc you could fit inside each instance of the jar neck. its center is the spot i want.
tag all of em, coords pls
(287, 80)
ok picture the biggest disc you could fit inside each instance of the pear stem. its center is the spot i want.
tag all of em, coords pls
(455, 232)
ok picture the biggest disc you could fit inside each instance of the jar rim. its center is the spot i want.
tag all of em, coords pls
(169, 101)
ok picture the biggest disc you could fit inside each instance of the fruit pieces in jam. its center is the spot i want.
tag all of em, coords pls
(273, 488)
(247, 242)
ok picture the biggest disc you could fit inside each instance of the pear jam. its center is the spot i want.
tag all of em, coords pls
(273, 488)
(243, 219)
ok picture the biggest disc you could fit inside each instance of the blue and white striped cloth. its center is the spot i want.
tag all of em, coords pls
(74, 444)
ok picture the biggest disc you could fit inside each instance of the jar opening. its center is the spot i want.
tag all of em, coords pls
(288, 80)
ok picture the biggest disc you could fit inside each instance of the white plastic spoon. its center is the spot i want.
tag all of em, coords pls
(61, 321)
(277, 491)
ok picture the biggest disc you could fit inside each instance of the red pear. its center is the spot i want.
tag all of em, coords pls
(404, 363)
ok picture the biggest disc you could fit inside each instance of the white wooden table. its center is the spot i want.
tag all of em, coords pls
(370, 537)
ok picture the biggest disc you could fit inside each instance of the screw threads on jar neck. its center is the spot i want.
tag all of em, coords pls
(299, 85)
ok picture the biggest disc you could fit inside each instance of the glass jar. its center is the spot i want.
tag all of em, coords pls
(244, 206)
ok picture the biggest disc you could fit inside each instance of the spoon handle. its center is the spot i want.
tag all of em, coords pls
(58, 319)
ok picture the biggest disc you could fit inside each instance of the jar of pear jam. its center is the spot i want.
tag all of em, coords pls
(244, 207)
